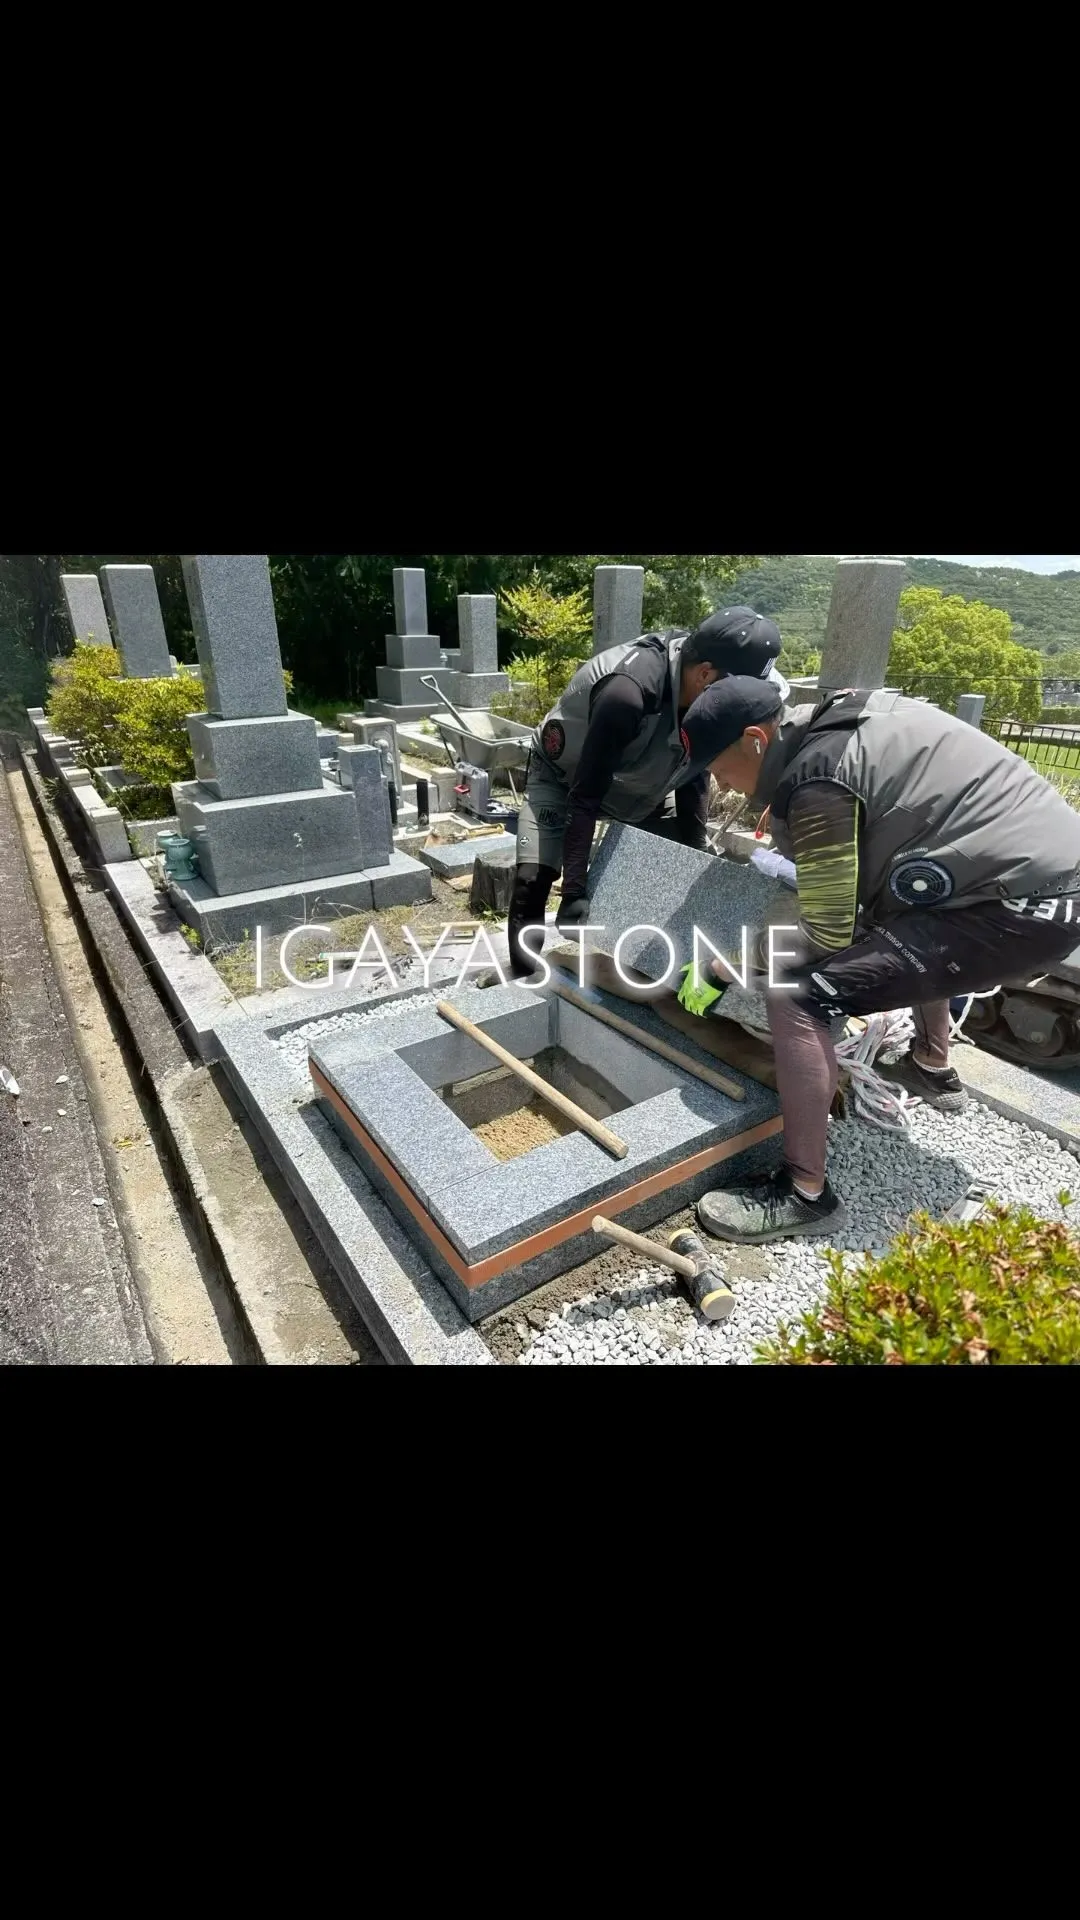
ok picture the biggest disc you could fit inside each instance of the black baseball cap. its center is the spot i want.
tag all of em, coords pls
(721, 715)
(738, 640)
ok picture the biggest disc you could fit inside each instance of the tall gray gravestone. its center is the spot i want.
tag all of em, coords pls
(267, 828)
(412, 656)
(86, 608)
(131, 596)
(479, 679)
(232, 613)
(618, 598)
(862, 621)
(969, 708)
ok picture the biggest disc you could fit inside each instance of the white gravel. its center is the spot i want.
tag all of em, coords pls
(645, 1320)
(293, 1044)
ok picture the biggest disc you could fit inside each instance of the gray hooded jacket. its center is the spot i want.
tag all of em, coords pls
(949, 816)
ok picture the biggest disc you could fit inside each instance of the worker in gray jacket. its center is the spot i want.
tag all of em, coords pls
(613, 747)
(932, 863)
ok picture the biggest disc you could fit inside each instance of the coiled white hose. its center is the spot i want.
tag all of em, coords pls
(957, 1036)
(876, 1100)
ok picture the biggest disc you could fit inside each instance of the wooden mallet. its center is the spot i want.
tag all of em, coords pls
(687, 1256)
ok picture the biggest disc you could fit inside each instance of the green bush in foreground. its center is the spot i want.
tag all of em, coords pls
(1001, 1291)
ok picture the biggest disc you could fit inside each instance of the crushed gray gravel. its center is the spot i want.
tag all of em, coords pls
(645, 1320)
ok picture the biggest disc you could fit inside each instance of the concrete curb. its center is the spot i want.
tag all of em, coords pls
(1035, 1100)
(152, 1033)
(406, 1308)
(198, 994)
(169, 1072)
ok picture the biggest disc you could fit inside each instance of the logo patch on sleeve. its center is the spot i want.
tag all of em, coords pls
(553, 740)
(921, 883)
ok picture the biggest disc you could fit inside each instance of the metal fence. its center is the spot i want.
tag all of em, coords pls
(1052, 749)
(1051, 742)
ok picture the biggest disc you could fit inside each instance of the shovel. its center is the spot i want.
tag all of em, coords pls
(429, 680)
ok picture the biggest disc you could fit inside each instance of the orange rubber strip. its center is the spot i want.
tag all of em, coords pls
(524, 1250)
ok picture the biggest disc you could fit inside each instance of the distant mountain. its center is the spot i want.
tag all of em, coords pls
(795, 591)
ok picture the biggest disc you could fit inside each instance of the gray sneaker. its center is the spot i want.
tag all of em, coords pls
(941, 1091)
(769, 1209)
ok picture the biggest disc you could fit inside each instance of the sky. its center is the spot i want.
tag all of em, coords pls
(1030, 562)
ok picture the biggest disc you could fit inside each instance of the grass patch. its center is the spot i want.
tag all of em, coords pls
(1052, 756)
(235, 963)
(324, 711)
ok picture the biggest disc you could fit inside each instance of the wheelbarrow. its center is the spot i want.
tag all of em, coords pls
(481, 739)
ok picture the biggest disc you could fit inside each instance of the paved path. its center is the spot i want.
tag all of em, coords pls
(66, 1292)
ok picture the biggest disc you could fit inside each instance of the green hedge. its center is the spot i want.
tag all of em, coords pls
(1003, 1290)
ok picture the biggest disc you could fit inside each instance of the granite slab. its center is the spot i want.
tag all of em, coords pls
(644, 887)
(131, 596)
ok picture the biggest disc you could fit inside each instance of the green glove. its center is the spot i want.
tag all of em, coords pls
(696, 995)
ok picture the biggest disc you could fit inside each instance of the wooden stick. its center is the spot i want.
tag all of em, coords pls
(555, 1099)
(614, 1020)
(649, 1249)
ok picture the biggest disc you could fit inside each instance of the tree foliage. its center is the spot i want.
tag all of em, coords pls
(945, 647)
(135, 724)
(555, 631)
(794, 589)
(152, 737)
(334, 609)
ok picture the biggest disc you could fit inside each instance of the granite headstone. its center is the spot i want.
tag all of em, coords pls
(410, 601)
(86, 608)
(618, 596)
(361, 771)
(479, 633)
(861, 625)
(131, 596)
(232, 613)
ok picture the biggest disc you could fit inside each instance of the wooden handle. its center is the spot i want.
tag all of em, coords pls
(627, 1027)
(649, 1249)
(555, 1099)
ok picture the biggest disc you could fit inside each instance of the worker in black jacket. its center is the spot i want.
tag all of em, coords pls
(613, 747)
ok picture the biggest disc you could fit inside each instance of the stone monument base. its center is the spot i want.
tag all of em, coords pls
(224, 919)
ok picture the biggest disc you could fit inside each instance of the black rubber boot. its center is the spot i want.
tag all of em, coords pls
(528, 905)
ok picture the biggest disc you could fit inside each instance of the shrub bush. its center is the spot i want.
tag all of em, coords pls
(152, 737)
(85, 702)
(142, 803)
(1003, 1290)
(136, 724)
